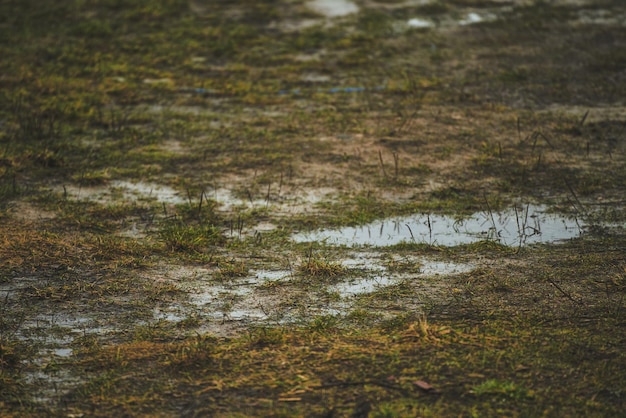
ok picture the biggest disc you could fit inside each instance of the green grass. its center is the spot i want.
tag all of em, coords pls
(189, 95)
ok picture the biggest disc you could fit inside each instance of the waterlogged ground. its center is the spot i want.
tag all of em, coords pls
(312, 208)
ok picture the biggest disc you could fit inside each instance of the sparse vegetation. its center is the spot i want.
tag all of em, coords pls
(157, 157)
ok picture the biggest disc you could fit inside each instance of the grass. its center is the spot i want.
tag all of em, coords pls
(309, 124)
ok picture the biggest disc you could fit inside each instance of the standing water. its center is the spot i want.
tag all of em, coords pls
(514, 227)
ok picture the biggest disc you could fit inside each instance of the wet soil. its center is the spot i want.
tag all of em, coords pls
(316, 207)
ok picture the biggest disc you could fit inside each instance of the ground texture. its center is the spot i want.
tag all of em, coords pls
(159, 159)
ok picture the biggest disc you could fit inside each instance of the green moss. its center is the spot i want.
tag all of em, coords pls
(204, 96)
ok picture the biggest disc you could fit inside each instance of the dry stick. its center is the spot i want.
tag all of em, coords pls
(407, 121)
(430, 230)
(396, 162)
(411, 232)
(547, 140)
(240, 225)
(520, 230)
(519, 130)
(567, 295)
(534, 137)
(493, 221)
(582, 121)
(310, 254)
(571, 190)
(382, 164)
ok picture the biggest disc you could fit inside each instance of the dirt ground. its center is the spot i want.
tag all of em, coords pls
(312, 208)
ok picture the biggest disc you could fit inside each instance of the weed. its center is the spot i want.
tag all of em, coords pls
(496, 388)
(316, 267)
(323, 323)
(178, 235)
(311, 123)
(229, 270)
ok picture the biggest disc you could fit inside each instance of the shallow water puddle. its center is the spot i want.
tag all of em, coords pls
(419, 23)
(437, 268)
(161, 193)
(261, 296)
(234, 302)
(53, 335)
(472, 18)
(376, 275)
(514, 227)
(466, 19)
(333, 8)
(362, 286)
(285, 202)
(125, 191)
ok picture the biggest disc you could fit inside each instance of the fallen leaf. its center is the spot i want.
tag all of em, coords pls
(425, 386)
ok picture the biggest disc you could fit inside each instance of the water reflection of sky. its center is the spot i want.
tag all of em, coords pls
(527, 225)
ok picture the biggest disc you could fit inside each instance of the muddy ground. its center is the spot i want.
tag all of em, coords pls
(312, 208)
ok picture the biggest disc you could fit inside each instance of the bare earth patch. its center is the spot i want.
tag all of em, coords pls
(312, 208)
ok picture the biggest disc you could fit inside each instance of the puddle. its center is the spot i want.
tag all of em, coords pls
(440, 268)
(62, 352)
(333, 8)
(281, 201)
(514, 227)
(601, 17)
(160, 193)
(227, 201)
(125, 191)
(584, 17)
(472, 18)
(420, 23)
(53, 335)
(361, 286)
(275, 296)
(376, 275)
(220, 295)
(265, 275)
(54, 383)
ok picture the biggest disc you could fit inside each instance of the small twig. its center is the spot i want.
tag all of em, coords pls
(396, 162)
(382, 164)
(411, 232)
(578, 202)
(567, 295)
(582, 121)
(200, 204)
(493, 221)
